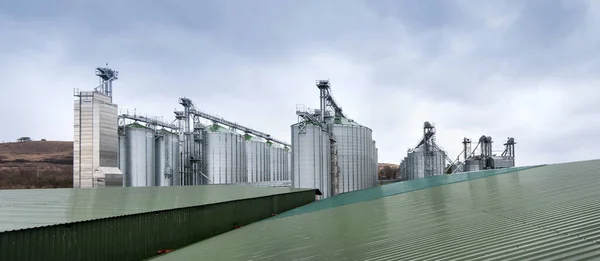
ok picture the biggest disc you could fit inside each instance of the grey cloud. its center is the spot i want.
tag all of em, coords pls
(473, 67)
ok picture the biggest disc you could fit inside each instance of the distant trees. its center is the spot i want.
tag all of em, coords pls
(43, 140)
(23, 139)
(388, 172)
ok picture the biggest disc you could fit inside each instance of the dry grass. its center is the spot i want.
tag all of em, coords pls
(36, 164)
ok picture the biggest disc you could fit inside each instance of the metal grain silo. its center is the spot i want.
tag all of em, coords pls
(279, 155)
(122, 156)
(258, 159)
(310, 158)
(225, 156)
(415, 164)
(375, 168)
(472, 164)
(439, 163)
(354, 143)
(288, 153)
(140, 156)
(167, 158)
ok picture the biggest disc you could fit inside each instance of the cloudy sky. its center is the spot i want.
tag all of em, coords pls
(526, 69)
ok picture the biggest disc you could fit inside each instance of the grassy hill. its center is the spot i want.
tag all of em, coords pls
(36, 164)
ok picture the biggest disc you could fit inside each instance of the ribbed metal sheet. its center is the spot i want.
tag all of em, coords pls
(258, 160)
(355, 160)
(139, 235)
(279, 162)
(30, 208)
(472, 165)
(225, 157)
(122, 157)
(167, 158)
(413, 166)
(140, 156)
(547, 213)
(311, 158)
(95, 141)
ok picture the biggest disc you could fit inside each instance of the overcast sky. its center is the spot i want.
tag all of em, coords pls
(526, 69)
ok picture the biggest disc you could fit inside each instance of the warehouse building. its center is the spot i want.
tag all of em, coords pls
(545, 212)
(129, 223)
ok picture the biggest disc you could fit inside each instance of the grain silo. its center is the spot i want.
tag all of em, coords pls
(331, 152)
(258, 159)
(426, 159)
(167, 157)
(278, 158)
(311, 158)
(354, 145)
(122, 154)
(482, 156)
(375, 174)
(140, 157)
(225, 156)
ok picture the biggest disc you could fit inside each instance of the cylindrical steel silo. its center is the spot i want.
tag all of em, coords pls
(278, 156)
(310, 158)
(225, 156)
(123, 156)
(288, 164)
(258, 159)
(375, 167)
(159, 160)
(354, 143)
(166, 160)
(140, 156)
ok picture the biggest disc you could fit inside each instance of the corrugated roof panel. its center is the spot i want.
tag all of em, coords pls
(27, 208)
(395, 188)
(548, 213)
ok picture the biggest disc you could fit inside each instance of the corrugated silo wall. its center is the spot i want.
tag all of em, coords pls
(375, 174)
(140, 157)
(166, 160)
(310, 158)
(258, 161)
(413, 165)
(355, 160)
(225, 158)
(277, 161)
(123, 156)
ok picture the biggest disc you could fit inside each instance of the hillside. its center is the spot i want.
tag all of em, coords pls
(49, 164)
(388, 171)
(36, 164)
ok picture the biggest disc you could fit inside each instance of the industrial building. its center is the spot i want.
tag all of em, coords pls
(331, 152)
(129, 223)
(197, 148)
(545, 212)
(95, 135)
(482, 156)
(426, 159)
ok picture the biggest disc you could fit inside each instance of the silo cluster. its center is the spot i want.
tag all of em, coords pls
(413, 166)
(426, 159)
(331, 152)
(219, 155)
(482, 157)
(148, 157)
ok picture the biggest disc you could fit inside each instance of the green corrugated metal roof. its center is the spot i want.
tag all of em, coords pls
(27, 208)
(393, 189)
(548, 212)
